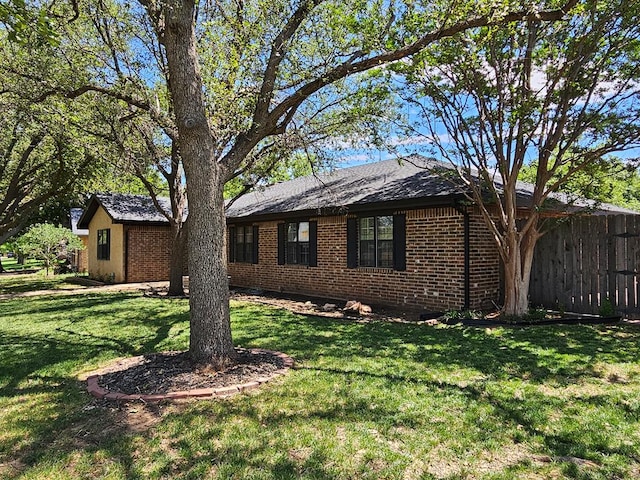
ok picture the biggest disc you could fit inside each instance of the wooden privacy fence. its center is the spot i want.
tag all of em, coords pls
(586, 260)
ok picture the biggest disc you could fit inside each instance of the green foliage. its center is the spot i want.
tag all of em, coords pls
(50, 145)
(28, 22)
(606, 308)
(279, 168)
(49, 243)
(463, 315)
(608, 180)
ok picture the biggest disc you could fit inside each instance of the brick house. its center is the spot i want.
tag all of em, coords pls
(129, 240)
(383, 233)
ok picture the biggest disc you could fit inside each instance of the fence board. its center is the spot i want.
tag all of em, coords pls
(603, 245)
(612, 288)
(583, 258)
(599, 286)
(629, 266)
(571, 274)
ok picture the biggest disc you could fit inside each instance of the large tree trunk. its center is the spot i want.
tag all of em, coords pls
(210, 338)
(176, 266)
(517, 273)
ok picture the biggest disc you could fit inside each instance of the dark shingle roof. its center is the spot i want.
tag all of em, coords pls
(414, 179)
(125, 208)
(75, 214)
(387, 181)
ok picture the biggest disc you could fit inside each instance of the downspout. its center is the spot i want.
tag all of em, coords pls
(461, 208)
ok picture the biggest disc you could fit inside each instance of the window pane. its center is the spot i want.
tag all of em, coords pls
(367, 253)
(248, 244)
(303, 232)
(239, 245)
(248, 252)
(103, 244)
(304, 253)
(292, 232)
(385, 228)
(385, 253)
(292, 254)
(367, 226)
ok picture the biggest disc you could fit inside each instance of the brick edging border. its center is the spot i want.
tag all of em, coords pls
(215, 392)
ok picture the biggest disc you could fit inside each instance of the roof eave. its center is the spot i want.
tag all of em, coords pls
(450, 200)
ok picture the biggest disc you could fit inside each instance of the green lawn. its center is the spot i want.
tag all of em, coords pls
(11, 264)
(366, 400)
(19, 283)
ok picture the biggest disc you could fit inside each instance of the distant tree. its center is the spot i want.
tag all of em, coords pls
(49, 243)
(609, 180)
(562, 94)
(50, 146)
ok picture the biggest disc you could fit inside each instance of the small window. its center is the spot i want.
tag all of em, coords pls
(242, 244)
(297, 243)
(104, 244)
(376, 242)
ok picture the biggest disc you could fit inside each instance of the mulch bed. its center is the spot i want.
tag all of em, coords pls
(161, 373)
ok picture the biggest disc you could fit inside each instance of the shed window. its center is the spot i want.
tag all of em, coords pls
(104, 244)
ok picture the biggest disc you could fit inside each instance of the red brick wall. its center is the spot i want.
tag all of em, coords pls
(433, 280)
(148, 250)
(484, 265)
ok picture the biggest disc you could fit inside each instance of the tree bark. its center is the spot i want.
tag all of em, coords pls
(517, 272)
(176, 267)
(210, 329)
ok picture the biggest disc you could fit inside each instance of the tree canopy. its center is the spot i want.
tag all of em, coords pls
(610, 180)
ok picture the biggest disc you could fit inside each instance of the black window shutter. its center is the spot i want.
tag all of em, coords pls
(281, 242)
(313, 244)
(352, 242)
(255, 244)
(232, 244)
(399, 242)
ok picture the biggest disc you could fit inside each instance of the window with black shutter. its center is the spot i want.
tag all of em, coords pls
(297, 243)
(243, 244)
(376, 241)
